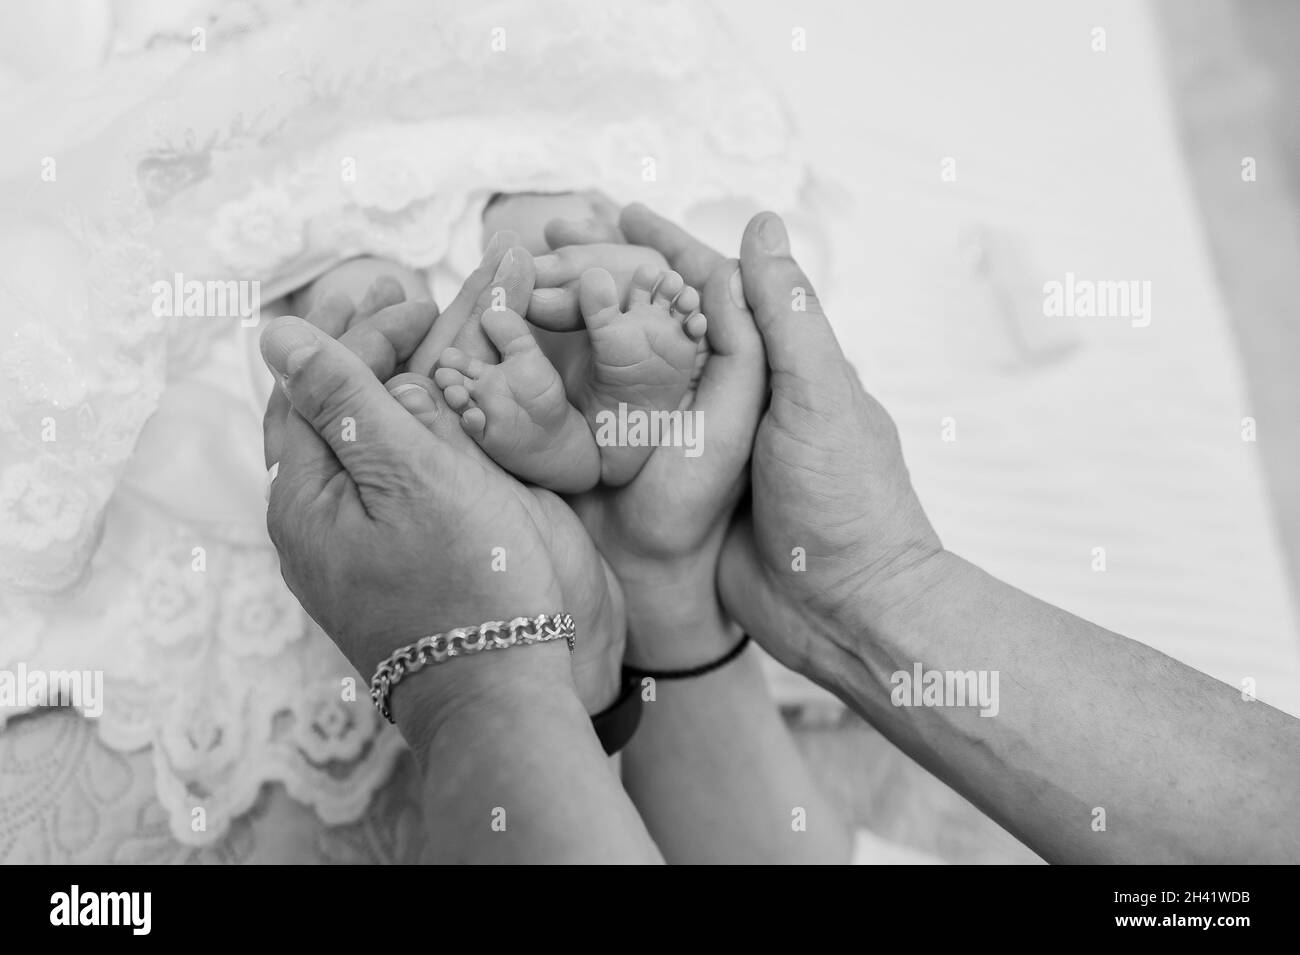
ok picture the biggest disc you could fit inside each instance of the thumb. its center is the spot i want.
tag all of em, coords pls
(511, 288)
(750, 599)
(336, 393)
(796, 333)
(733, 386)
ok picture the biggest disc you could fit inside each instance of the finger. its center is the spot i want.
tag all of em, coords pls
(448, 325)
(422, 399)
(383, 292)
(567, 264)
(555, 309)
(384, 341)
(554, 303)
(511, 285)
(308, 473)
(339, 396)
(509, 290)
(277, 407)
(606, 210)
(387, 339)
(305, 460)
(733, 387)
(332, 314)
(600, 226)
(796, 334)
(686, 254)
(308, 468)
(560, 233)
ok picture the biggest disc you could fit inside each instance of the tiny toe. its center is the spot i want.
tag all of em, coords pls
(668, 287)
(383, 292)
(446, 377)
(454, 358)
(474, 421)
(696, 326)
(457, 398)
(643, 285)
(685, 303)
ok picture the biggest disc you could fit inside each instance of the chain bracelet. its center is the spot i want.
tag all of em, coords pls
(461, 642)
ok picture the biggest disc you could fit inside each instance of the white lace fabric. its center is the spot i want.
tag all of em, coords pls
(133, 542)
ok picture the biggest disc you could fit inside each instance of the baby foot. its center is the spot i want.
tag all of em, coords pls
(641, 357)
(517, 410)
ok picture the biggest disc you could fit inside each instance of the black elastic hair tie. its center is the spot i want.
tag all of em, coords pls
(616, 724)
(691, 672)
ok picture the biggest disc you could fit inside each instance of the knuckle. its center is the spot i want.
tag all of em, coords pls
(369, 343)
(328, 391)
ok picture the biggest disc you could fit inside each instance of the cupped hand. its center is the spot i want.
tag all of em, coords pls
(390, 523)
(834, 519)
(662, 531)
(587, 587)
(494, 283)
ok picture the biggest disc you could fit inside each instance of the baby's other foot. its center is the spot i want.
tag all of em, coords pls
(517, 410)
(641, 357)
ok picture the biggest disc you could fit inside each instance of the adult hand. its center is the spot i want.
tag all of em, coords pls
(834, 519)
(489, 285)
(662, 531)
(383, 329)
(388, 524)
(383, 332)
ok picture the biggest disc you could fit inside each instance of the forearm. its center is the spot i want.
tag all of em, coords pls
(712, 768)
(512, 771)
(1086, 720)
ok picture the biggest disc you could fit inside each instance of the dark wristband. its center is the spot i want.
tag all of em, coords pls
(691, 672)
(616, 723)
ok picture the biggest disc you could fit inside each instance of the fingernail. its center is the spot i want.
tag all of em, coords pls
(507, 264)
(546, 262)
(413, 398)
(286, 343)
(736, 288)
(379, 287)
(773, 237)
(547, 294)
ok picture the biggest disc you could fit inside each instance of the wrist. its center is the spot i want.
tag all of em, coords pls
(675, 620)
(598, 660)
(885, 628)
(489, 684)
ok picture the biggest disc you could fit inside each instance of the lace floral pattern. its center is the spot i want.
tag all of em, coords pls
(221, 697)
(259, 232)
(40, 505)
